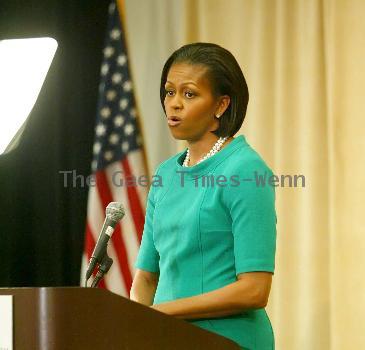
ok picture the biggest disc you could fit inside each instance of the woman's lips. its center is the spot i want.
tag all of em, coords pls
(173, 121)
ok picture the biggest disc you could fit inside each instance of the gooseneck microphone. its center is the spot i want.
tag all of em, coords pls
(114, 212)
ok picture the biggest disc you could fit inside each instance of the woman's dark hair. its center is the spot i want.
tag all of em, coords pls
(225, 76)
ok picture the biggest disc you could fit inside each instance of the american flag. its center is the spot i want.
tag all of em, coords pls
(118, 163)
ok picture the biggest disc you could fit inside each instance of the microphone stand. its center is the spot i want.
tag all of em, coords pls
(104, 267)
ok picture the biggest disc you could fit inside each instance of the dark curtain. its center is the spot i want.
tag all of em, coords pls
(41, 222)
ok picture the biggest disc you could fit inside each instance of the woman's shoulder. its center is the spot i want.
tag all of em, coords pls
(246, 160)
(251, 176)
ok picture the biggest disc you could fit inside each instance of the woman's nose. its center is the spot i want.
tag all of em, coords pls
(176, 102)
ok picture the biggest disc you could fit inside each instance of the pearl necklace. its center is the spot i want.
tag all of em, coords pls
(217, 146)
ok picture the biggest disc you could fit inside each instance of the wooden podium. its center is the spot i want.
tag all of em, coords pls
(91, 318)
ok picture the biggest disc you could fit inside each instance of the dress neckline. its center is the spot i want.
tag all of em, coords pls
(204, 167)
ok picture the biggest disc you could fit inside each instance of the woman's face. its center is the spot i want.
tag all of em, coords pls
(189, 102)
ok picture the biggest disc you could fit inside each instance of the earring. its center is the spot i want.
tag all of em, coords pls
(218, 116)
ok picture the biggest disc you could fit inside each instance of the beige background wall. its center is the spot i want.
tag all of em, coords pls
(304, 64)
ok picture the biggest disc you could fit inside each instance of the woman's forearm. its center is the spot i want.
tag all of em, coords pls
(231, 299)
(143, 289)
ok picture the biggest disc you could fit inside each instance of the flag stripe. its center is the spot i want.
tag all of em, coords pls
(113, 279)
(136, 208)
(136, 163)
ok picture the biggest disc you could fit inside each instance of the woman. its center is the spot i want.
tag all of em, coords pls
(208, 248)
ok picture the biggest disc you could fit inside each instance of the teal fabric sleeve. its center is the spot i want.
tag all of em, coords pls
(252, 208)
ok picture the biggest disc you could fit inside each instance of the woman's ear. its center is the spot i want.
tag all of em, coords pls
(223, 104)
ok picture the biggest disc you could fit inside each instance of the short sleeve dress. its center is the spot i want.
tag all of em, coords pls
(208, 223)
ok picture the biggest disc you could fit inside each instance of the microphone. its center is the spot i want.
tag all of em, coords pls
(114, 212)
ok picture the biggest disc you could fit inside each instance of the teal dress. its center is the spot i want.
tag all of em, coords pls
(208, 223)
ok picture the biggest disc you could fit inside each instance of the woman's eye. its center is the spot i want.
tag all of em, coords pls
(169, 92)
(189, 94)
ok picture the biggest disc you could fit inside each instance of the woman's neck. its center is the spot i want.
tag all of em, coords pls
(198, 149)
